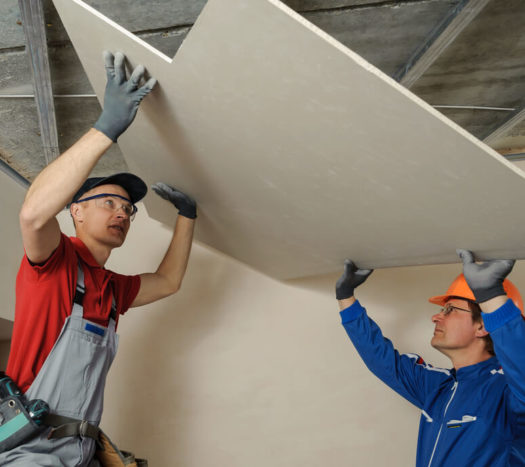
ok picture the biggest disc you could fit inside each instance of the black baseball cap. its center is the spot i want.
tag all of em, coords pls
(134, 185)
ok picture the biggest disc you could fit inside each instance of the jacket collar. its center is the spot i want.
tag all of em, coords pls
(476, 370)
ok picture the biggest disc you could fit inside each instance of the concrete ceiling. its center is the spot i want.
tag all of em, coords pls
(469, 64)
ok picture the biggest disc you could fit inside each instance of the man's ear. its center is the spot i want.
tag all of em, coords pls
(76, 212)
(480, 330)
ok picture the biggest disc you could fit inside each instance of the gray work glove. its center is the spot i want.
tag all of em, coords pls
(485, 279)
(184, 203)
(122, 97)
(351, 278)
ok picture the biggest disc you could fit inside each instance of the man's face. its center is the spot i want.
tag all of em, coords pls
(103, 224)
(455, 331)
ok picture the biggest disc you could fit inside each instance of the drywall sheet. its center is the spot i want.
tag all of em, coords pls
(299, 152)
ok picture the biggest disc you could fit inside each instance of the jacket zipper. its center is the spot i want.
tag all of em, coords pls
(454, 387)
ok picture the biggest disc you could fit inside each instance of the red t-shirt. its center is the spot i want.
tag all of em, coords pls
(44, 298)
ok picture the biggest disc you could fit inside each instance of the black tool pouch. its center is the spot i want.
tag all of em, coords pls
(16, 426)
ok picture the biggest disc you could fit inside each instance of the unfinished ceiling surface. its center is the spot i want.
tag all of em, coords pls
(463, 57)
(276, 136)
(477, 80)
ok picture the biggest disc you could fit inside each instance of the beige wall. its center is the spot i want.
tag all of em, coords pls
(240, 370)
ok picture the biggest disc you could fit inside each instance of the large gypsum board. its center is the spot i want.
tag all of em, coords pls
(299, 152)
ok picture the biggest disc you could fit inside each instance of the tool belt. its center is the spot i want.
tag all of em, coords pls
(16, 423)
(20, 419)
(107, 452)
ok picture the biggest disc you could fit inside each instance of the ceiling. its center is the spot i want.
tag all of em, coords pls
(466, 58)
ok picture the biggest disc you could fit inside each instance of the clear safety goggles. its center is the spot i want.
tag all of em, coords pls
(447, 309)
(112, 202)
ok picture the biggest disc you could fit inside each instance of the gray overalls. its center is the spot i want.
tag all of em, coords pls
(72, 382)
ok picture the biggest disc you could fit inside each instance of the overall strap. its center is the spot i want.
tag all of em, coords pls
(113, 314)
(80, 291)
(78, 309)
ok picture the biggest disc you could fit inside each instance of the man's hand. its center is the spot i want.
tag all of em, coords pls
(485, 279)
(184, 203)
(122, 97)
(352, 277)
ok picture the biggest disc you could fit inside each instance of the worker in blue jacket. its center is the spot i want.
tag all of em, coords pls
(474, 413)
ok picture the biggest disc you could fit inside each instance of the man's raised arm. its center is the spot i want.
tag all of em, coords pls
(501, 317)
(54, 187)
(167, 279)
(486, 280)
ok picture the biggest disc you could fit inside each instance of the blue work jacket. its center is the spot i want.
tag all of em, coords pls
(474, 416)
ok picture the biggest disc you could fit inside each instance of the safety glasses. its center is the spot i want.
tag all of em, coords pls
(447, 309)
(112, 202)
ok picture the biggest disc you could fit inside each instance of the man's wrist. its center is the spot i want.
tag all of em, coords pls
(101, 135)
(493, 304)
(346, 302)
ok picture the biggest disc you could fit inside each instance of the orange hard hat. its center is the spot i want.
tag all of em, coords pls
(459, 288)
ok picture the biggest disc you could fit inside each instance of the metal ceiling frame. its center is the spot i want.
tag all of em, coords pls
(8, 170)
(32, 14)
(457, 19)
(502, 130)
(439, 39)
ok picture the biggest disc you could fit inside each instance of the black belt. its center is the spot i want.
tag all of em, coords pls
(66, 426)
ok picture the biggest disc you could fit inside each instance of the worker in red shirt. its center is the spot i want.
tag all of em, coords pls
(67, 303)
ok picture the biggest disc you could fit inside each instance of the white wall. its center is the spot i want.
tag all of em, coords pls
(240, 370)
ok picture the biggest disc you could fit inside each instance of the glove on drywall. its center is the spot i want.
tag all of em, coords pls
(352, 277)
(122, 97)
(485, 279)
(184, 203)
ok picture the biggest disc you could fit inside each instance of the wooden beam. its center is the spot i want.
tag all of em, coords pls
(34, 28)
(502, 130)
(439, 39)
(510, 151)
(512, 154)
